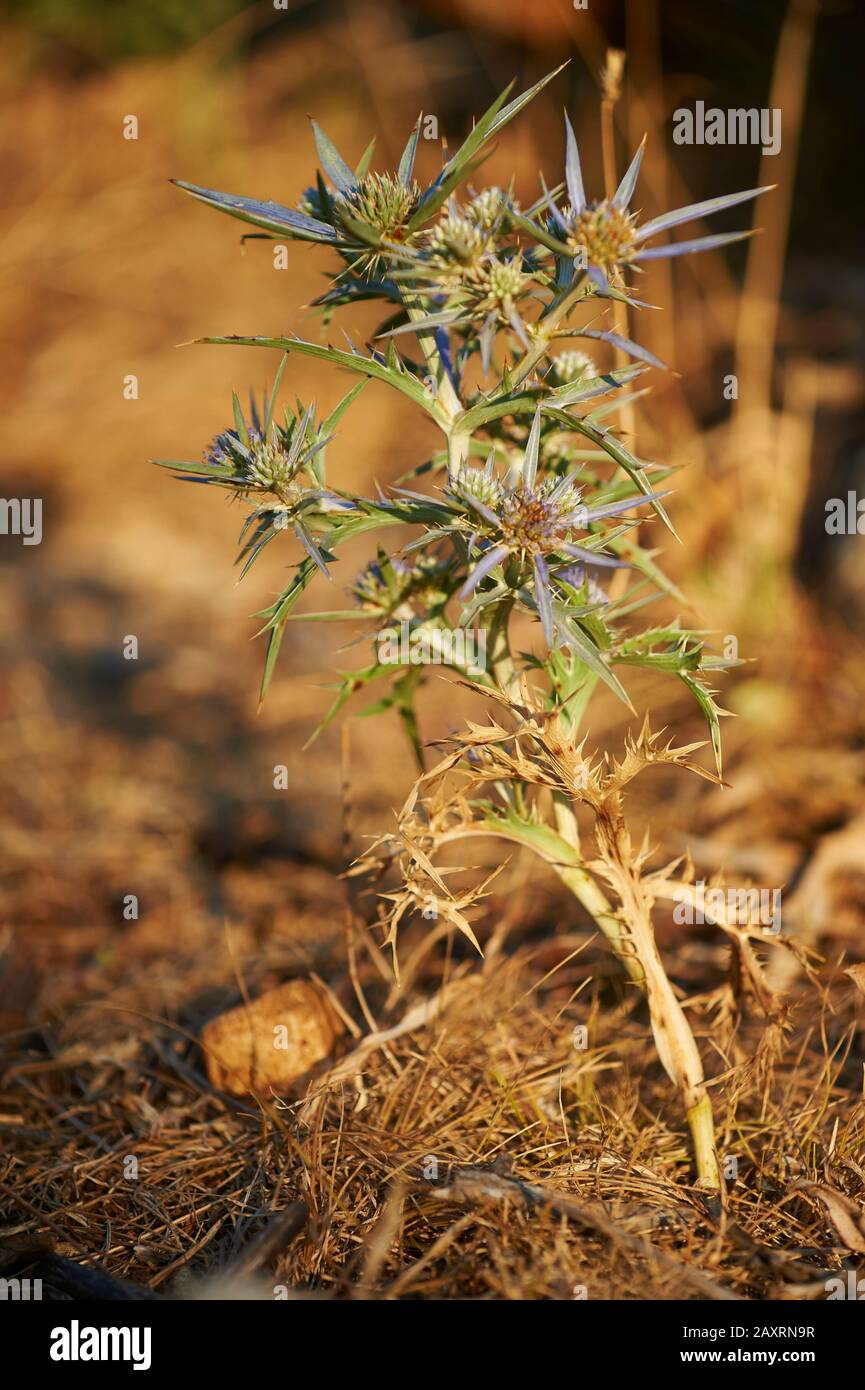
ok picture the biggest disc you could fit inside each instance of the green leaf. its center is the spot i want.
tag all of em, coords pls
(545, 841)
(400, 378)
(273, 217)
(220, 472)
(584, 647)
(682, 659)
(622, 456)
(642, 560)
(266, 531)
(401, 698)
(711, 712)
(337, 615)
(406, 163)
(268, 419)
(426, 324)
(352, 681)
(460, 165)
(276, 618)
(541, 234)
(332, 161)
(496, 407)
(317, 465)
(364, 162)
(526, 401)
(333, 419)
(239, 422)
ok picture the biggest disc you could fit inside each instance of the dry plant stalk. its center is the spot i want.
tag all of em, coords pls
(535, 753)
(535, 498)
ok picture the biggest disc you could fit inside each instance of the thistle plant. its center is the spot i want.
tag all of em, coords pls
(510, 529)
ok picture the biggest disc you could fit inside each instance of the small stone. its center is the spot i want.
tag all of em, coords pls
(273, 1041)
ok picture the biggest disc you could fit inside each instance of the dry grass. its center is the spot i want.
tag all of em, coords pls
(414, 1172)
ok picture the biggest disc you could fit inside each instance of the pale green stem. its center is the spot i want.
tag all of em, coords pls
(546, 331)
(587, 891)
(594, 900)
(701, 1123)
(458, 451)
(448, 402)
(501, 661)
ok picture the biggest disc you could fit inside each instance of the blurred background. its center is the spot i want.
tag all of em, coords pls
(154, 777)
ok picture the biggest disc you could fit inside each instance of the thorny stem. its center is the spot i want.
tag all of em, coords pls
(546, 329)
(576, 879)
(447, 404)
(632, 940)
(590, 895)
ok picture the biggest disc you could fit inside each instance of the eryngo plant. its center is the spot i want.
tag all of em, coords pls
(530, 503)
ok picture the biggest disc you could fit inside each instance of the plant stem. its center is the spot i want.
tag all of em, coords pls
(546, 329)
(576, 879)
(502, 667)
(636, 948)
(702, 1126)
(458, 450)
(594, 900)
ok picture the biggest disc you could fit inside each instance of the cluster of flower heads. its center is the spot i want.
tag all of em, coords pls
(466, 274)
(463, 255)
(384, 223)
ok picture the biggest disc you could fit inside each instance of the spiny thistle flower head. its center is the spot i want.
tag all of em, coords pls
(490, 292)
(489, 208)
(380, 206)
(571, 366)
(528, 519)
(604, 232)
(538, 519)
(610, 237)
(388, 587)
(374, 587)
(383, 203)
(476, 486)
(265, 456)
(270, 465)
(281, 465)
(532, 521)
(465, 234)
(502, 282)
(457, 237)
